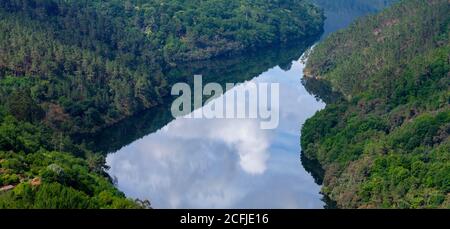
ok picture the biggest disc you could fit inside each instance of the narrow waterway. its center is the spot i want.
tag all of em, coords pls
(228, 163)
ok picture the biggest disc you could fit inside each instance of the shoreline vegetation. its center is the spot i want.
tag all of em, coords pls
(70, 67)
(386, 144)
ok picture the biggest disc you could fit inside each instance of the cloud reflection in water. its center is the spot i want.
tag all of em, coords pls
(225, 163)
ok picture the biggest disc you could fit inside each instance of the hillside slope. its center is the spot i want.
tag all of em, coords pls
(88, 64)
(70, 67)
(386, 144)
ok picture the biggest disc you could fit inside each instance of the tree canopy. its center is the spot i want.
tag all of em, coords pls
(387, 144)
(69, 67)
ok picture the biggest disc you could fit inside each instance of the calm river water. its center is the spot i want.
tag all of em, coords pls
(227, 163)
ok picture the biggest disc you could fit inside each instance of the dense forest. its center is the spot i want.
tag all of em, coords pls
(69, 67)
(88, 64)
(386, 143)
(35, 173)
(224, 70)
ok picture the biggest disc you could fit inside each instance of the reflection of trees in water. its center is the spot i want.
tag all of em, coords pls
(313, 167)
(339, 13)
(224, 70)
(128, 130)
(229, 70)
(321, 90)
(239, 68)
(318, 173)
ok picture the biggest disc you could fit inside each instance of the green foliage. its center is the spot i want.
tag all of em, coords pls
(64, 182)
(70, 67)
(60, 179)
(21, 136)
(204, 29)
(89, 64)
(23, 107)
(387, 145)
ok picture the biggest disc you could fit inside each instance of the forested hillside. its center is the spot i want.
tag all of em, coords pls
(69, 67)
(88, 64)
(386, 144)
(84, 67)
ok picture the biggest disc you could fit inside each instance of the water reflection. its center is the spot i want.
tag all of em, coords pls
(340, 13)
(217, 163)
(225, 70)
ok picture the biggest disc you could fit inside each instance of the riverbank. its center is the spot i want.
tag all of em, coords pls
(386, 145)
(71, 67)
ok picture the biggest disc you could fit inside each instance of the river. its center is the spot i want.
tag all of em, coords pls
(227, 163)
